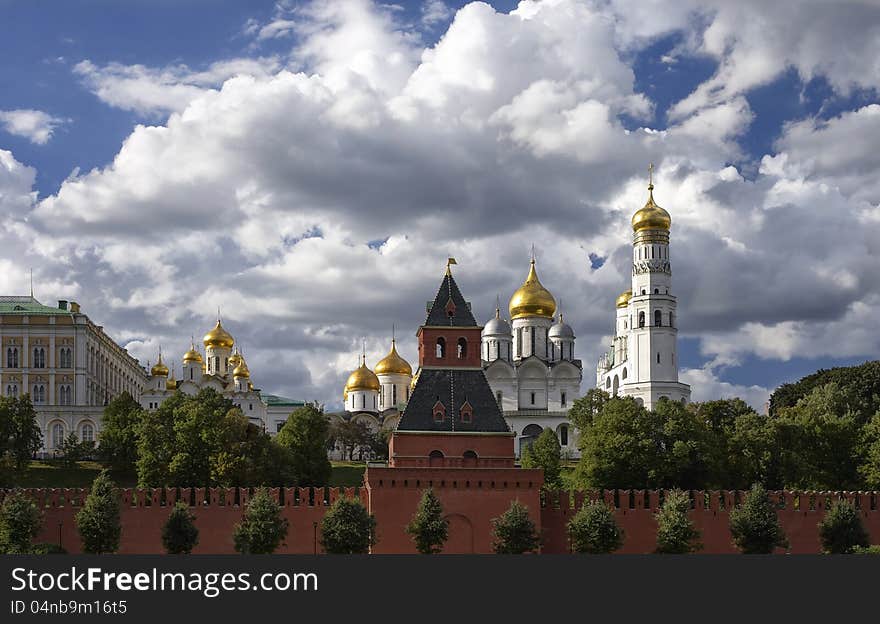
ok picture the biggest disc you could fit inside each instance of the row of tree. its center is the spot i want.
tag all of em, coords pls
(206, 440)
(20, 436)
(826, 440)
(348, 528)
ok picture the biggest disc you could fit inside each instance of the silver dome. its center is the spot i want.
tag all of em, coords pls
(497, 326)
(561, 330)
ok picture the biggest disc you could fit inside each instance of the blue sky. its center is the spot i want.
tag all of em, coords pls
(739, 132)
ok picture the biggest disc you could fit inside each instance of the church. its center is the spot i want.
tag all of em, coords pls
(223, 369)
(530, 365)
(641, 362)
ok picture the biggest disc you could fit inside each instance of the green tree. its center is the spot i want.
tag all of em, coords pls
(305, 435)
(869, 446)
(841, 530)
(179, 533)
(545, 453)
(861, 384)
(98, 521)
(428, 528)
(819, 441)
(594, 530)
(348, 528)
(688, 446)
(676, 534)
(19, 432)
(119, 432)
(751, 453)
(755, 526)
(73, 451)
(586, 408)
(622, 448)
(262, 528)
(20, 521)
(514, 531)
(7, 469)
(156, 443)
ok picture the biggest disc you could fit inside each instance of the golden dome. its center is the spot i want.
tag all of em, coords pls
(651, 216)
(362, 379)
(159, 369)
(241, 369)
(218, 337)
(532, 299)
(393, 363)
(623, 299)
(192, 355)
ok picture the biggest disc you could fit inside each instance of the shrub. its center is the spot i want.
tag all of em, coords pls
(873, 549)
(593, 530)
(98, 521)
(754, 524)
(429, 529)
(545, 453)
(514, 532)
(47, 548)
(676, 534)
(179, 533)
(20, 521)
(841, 530)
(347, 528)
(262, 528)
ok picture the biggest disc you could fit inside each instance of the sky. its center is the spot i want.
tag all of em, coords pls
(307, 167)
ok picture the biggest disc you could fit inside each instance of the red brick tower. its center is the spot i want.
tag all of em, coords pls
(452, 437)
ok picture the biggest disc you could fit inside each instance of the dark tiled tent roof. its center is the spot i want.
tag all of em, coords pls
(452, 387)
(439, 312)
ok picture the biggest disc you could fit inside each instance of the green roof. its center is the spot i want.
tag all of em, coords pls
(26, 305)
(274, 399)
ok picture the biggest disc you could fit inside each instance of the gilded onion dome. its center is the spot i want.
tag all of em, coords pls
(218, 337)
(241, 369)
(192, 355)
(393, 363)
(623, 298)
(362, 379)
(235, 359)
(532, 299)
(159, 369)
(651, 216)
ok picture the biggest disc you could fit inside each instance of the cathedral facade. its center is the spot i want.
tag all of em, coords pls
(642, 361)
(530, 365)
(223, 369)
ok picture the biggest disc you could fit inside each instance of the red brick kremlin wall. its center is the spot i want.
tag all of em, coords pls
(471, 499)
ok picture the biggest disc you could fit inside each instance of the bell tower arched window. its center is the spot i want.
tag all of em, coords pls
(658, 321)
(462, 348)
(641, 319)
(441, 347)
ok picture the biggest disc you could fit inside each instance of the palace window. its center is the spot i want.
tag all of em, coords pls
(88, 433)
(39, 357)
(57, 435)
(12, 357)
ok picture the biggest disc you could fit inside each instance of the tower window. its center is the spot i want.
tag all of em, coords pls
(643, 291)
(656, 291)
(462, 348)
(393, 395)
(624, 373)
(532, 334)
(441, 347)
(641, 319)
(533, 398)
(563, 435)
(562, 399)
(657, 318)
(466, 412)
(658, 357)
(439, 411)
(671, 319)
(498, 397)
(363, 401)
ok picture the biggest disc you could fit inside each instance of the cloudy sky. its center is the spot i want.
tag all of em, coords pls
(308, 167)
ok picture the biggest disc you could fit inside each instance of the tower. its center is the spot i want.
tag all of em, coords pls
(642, 361)
(362, 389)
(531, 310)
(395, 377)
(451, 420)
(218, 347)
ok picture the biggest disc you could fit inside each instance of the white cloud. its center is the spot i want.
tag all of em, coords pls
(263, 188)
(706, 386)
(435, 12)
(34, 125)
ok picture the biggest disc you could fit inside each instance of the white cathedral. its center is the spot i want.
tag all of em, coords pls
(641, 362)
(224, 370)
